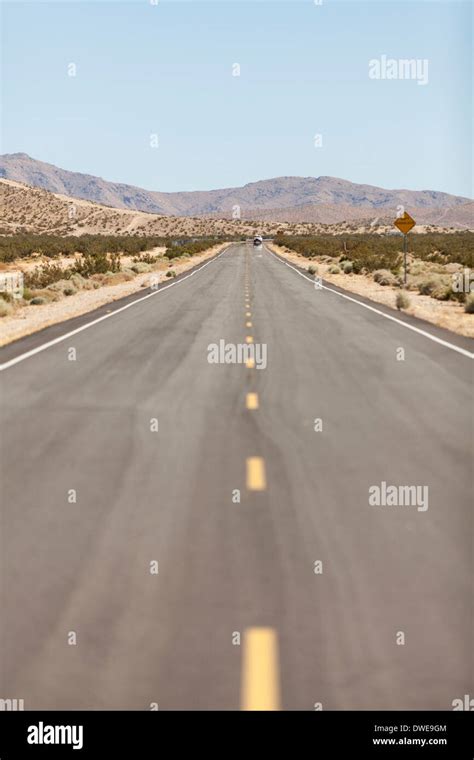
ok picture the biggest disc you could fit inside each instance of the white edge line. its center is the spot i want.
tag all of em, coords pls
(50, 343)
(442, 342)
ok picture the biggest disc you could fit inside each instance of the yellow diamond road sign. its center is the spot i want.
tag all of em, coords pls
(404, 223)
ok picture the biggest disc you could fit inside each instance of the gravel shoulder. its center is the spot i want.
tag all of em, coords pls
(447, 314)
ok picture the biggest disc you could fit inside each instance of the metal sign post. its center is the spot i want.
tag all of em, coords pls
(405, 250)
(405, 223)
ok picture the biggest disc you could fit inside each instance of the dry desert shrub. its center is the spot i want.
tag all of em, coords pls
(469, 304)
(385, 277)
(402, 301)
(5, 308)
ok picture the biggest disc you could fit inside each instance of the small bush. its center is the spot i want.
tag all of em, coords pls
(312, 269)
(69, 291)
(439, 287)
(27, 294)
(469, 304)
(334, 270)
(78, 281)
(116, 278)
(402, 301)
(140, 267)
(48, 295)
(171, 273)
(38, 301)
(59, 286)
(442, 292)
(426, 287)
(99, 263)
(5, 308)
(145, 258)
(46, 275)
(385, 277)
(348, 267)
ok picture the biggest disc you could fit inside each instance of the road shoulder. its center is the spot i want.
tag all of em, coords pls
(446, 315)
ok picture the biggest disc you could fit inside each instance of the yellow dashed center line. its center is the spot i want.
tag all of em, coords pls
(249, 339)
(252, 401)
(248, 324)
(260, 670)
(248, 314)
(256, 479)
(250, 363)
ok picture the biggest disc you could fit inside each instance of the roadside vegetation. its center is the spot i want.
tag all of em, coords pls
(67, 265)
(434, 260)
(384, 251)
(186, 248)
(14, 247)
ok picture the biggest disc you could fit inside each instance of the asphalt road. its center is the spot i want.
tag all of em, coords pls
(224, 567)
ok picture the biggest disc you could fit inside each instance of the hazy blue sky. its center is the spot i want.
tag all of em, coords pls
(166, 69)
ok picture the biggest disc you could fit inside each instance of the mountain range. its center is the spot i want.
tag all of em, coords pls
(292, 199)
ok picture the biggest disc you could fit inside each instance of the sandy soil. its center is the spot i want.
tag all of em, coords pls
(448, 314)
(28, 319)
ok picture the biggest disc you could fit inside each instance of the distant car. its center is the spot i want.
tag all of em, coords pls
(258, 240)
